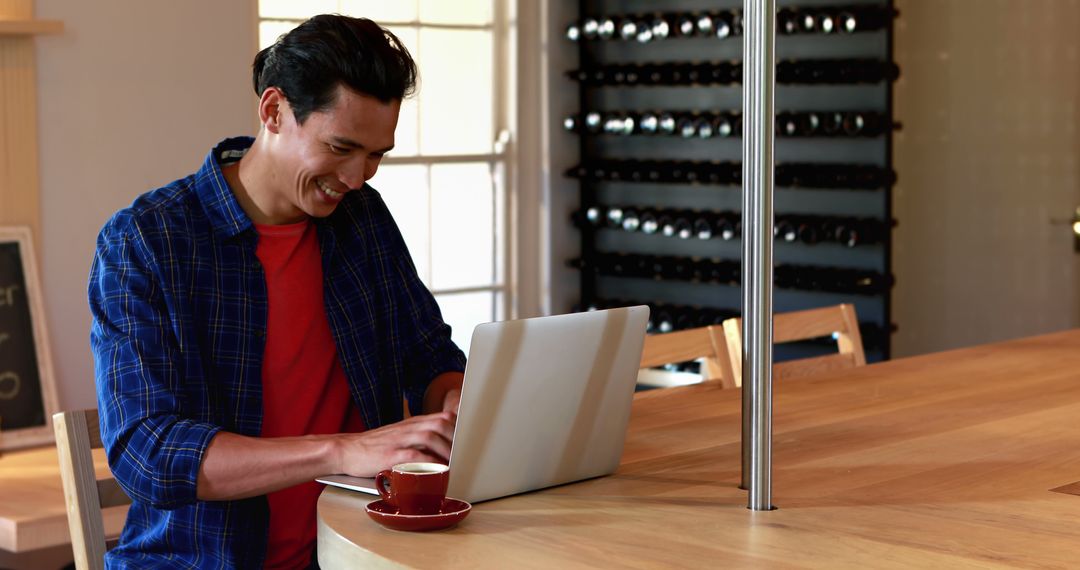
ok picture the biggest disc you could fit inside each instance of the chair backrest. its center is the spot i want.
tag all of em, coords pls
(691, 344)
(839, 320)
(77, 433)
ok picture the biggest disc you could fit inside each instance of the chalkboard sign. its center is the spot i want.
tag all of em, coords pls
(27, 391)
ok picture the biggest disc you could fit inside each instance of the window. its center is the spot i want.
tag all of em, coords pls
(445, 181)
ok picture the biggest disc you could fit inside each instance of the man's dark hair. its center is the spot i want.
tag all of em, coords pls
(309, 62)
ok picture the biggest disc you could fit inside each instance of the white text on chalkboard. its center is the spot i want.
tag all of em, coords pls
(9, 385)
(7, 295)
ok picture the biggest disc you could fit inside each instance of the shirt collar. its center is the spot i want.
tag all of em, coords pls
(226, 216)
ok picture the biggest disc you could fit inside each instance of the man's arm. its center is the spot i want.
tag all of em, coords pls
(153, 450)
(237, 467)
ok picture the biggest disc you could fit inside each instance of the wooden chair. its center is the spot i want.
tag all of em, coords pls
(77, 433)
(691, 344)
(802, 325)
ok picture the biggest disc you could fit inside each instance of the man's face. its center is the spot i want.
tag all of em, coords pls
(335, 151)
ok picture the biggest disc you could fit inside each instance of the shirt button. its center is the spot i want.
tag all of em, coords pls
(260, 333)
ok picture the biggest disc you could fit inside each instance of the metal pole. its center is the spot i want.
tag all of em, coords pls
(759, 85)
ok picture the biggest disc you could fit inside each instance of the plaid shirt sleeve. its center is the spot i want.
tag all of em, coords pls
(154, 452)
(428, 349)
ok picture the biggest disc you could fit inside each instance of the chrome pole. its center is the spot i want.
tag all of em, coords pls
(759, 85)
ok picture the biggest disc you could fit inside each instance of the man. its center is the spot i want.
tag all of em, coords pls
(258, 323)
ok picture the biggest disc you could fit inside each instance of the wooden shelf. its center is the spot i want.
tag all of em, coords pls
(30, 27)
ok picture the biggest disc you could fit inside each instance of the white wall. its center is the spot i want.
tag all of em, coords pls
(989, 97)
(132, 95)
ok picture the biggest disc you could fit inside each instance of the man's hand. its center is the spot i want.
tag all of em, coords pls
(425, 438)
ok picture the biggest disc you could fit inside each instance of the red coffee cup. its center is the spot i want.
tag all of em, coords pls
(415, 488)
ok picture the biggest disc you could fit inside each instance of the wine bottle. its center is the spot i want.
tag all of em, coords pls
(661, 28)
(593, 122)
(684, 227)
(832, 123)
(612, 125)
(666, 123)
(666, 222)
(614, 217)
(665, 321)
(723, 126)
(606, 29)
(680, 268)
(787, 21)
(573, 32)
(631, 220)
(847, 234)
(704, 24)
(727, 227)
(570, 123)
(686, 126)
(786, 125)
(595, 215)
(865, 124)
(723, 25)
(677, 172)
(849, 22)
(703, 126)
(648, 123)
(827, 22)
(785, 230)
(644, 32)
(686, 25)
(809, 123)
(808, 230)
(684, 319)
(703, 226)
(650, 221)
(589, 28)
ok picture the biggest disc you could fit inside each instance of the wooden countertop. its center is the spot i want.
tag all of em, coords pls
(948, 460)
(32, 512)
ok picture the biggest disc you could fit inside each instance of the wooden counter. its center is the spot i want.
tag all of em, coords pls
(941, 461)
(32, 512)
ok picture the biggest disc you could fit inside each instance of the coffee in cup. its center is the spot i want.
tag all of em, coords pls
(414, 488)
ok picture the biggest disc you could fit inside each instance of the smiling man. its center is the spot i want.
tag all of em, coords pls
(260, 322)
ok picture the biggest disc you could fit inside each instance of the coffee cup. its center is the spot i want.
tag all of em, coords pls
(414, 488)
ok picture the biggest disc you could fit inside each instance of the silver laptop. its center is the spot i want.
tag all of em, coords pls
(546, 401)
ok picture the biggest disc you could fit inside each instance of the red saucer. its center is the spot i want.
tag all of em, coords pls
(450, 514)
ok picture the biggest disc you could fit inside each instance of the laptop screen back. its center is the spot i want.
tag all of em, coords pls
(546, 401)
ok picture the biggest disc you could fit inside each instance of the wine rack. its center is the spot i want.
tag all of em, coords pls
(722, 124)
(659, 127)
(724, 24)
(727, 225)
(818, 71)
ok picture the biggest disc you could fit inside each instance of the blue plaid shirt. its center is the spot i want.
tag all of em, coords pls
(179, 305)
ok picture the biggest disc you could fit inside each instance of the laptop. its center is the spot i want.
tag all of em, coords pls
(546, 401)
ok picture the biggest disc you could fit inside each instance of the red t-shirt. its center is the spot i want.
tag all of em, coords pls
(304, 387)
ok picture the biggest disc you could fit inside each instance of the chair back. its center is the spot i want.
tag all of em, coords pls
(691, 344)
(77, 434)
(838, 320)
